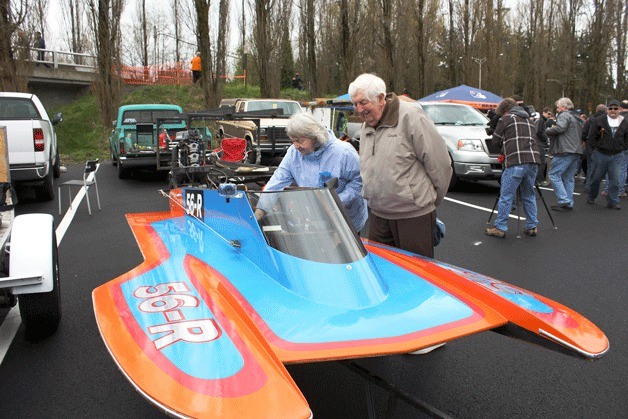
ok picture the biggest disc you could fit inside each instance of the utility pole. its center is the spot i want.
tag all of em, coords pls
(480, 61)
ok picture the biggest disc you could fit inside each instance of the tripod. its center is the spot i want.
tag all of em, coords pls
(517, 198)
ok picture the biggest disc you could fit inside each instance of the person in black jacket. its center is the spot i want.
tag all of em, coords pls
(608, 137)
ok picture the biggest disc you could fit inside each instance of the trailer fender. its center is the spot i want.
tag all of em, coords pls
(31, 251)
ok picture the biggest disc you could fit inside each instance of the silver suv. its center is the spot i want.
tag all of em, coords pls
(473, 156)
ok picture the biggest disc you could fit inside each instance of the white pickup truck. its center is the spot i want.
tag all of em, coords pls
(273, 140)
(32, 141)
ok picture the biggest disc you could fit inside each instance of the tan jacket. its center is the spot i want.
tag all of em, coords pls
(404, 163)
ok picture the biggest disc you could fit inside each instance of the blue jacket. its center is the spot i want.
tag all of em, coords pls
(334, 159)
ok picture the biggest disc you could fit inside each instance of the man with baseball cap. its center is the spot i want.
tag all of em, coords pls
(608, 136)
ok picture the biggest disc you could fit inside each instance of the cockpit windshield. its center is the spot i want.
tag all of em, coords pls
(307, 223)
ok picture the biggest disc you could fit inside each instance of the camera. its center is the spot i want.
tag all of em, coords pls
(228, 190)
(492, 123)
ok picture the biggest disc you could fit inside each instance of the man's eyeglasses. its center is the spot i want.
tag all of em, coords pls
(614, 108)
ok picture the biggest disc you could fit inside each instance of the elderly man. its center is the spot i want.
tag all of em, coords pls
(404, 164)
(566, 149)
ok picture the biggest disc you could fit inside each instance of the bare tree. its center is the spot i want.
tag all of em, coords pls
(308, 15)
(621, 42)
(202, 26)
(13, 67)
(105, 16)
(141, 11)
(73, 13)
(265, 47)
(177, 30)
(221, 50)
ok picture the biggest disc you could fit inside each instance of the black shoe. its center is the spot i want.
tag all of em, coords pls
(590, 201)
(561, 207)
(613, 206)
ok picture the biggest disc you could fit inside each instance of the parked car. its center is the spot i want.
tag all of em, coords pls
(32, 142)
(473, 156)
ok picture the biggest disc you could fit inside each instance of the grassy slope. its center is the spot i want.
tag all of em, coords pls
(82, 136)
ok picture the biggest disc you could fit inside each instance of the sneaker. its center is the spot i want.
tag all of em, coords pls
(604, 193)
(590, 201)
(561, 207)
(613, 206)
(531, 232)
(495, 232)
(623, 194)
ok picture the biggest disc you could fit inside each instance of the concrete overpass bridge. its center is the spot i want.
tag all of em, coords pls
(60, 76)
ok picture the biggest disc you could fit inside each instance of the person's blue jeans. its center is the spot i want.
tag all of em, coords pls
(521, 176)
(603, 164)
(624, 173)
(562, 173)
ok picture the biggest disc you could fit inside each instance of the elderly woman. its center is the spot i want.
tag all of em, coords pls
(315, 157)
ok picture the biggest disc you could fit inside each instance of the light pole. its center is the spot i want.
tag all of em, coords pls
(562, 86)
(480, 61)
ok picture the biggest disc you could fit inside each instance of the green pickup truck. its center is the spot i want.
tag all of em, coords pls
(137, 142)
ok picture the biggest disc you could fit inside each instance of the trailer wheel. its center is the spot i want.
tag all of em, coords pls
(41, 312)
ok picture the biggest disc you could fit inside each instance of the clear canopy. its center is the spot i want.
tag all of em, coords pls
(308, 224)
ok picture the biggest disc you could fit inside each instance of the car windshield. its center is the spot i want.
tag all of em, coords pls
(288, 108)
(148, 116)
(454, 115)
(308, 224)
(17, 108)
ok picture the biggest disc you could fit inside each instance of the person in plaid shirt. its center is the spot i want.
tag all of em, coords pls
(515, 135)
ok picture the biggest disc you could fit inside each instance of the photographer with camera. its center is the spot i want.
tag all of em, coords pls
(514, 134)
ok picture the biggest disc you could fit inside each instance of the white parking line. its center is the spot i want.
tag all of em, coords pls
(11, 323)
(466, 204)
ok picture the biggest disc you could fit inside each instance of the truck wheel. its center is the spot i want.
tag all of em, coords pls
(56, 171)
(41, 312)
(251, 154)
(114, 161)
(122, 172)
(454, 178)
(46, 190)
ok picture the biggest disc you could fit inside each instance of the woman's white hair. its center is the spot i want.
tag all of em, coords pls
(369, 84)
(564, 102)
(303, 124)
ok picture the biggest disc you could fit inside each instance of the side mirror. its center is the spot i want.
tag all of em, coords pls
(56, 118)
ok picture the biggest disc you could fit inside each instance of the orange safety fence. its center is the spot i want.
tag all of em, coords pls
(169, 74)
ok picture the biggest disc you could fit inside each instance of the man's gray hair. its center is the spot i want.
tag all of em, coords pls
(600, 108)
(564, 102)
(369, 84)
(303, 124)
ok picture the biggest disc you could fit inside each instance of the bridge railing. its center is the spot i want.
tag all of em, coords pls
(175, 73)
(56, 59)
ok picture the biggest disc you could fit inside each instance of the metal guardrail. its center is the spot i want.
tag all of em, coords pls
(77, 60)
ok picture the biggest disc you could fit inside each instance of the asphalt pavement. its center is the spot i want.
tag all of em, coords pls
(581, 264)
